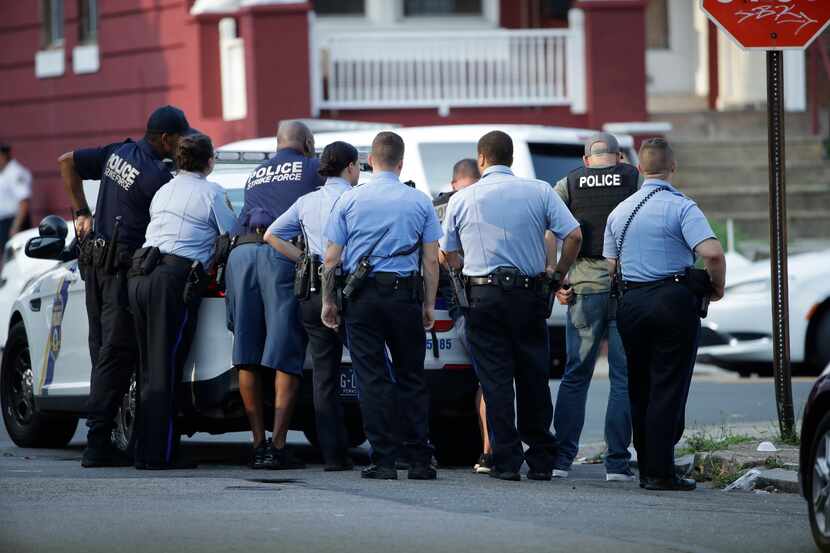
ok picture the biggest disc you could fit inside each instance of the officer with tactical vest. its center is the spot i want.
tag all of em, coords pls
(263, 312)
(591, 193)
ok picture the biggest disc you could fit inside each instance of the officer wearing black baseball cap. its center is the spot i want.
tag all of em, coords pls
(130, 173)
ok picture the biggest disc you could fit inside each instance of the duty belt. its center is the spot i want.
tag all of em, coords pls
(251, 238)
(391, 280)
(629, 285)
(173, 260)
(505, 281)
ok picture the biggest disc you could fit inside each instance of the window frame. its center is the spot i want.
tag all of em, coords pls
(52, 24)
(88, 21)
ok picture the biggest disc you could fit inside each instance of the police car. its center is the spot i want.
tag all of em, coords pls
(45, 369)
(541, 152)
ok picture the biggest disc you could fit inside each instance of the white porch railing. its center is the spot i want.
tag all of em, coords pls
(445, 69)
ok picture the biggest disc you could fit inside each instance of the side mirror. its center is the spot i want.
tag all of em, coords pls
(45, 247)
(53, 226)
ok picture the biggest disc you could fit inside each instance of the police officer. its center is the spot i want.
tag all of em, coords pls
(15, 191)
(654, 236)
(380, 230)
(262, 310)
(591, 192)
(130, 173)
(308, 217)
(500, 224)
(166, 280)
(464, 173)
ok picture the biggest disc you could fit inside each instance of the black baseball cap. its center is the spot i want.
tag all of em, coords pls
(170, 120)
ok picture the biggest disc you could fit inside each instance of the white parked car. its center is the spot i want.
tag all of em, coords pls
(546, 153)
(737, 335)
(45, 370)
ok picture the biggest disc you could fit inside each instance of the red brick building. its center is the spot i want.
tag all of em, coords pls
(84, 72)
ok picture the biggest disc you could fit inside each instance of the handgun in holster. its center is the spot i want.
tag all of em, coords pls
(459, 288)
(197, 283)
(221, 252)
(357, 278)
(144, 261)
(614, 297)
(550, 285)
(111, 259)
(302, 278)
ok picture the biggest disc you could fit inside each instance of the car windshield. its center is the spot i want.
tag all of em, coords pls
(232, 176)
(438, 159)
(551, 162)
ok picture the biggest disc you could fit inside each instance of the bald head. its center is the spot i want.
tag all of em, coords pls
(297, 135)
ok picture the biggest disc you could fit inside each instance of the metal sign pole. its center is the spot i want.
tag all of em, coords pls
(778, 244)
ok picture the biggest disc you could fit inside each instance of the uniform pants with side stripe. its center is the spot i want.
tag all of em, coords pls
(165, 327)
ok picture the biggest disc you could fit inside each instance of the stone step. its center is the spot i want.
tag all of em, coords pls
(727, 124)
(808, 198)
(753, 150)
(801, 224)
(729, 175)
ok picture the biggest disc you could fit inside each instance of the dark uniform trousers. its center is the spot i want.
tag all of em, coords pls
(326, 347)
(112, 348)
(165, 326)
(376, 318)
(508, 336)
(659, 327)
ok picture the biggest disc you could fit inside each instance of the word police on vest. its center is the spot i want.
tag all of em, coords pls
(594, 181)
(288, 171)
(121, 172)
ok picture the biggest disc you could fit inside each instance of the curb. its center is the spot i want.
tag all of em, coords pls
(782, 479)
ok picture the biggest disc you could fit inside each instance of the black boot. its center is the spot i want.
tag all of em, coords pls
(379, 472)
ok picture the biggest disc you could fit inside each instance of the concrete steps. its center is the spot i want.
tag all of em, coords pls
(731, 124)
(753, 150)
(739, 174)
(742, 199)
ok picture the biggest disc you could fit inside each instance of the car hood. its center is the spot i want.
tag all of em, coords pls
(800, 266)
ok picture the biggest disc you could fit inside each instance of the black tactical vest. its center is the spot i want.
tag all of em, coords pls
(593, 194)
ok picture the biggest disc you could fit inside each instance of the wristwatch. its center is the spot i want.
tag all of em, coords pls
(83, 212)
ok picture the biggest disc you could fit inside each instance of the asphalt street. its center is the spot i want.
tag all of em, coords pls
(48, 503)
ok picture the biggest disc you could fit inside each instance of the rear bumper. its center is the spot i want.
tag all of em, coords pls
(724, 348)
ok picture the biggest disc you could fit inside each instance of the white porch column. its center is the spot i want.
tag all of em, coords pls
(576, 61)
(795, 80)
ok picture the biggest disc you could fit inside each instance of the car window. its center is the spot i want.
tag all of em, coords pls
(551, 162)
(438, 159)
(233, 176)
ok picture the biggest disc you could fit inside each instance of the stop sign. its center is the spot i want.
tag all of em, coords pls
(770, 24)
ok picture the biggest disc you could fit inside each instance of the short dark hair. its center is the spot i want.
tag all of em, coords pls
(5, 149)
(336, 157)
(466, 167)
(194, 153)
(656, 156)
(497, 148)
(387, 149)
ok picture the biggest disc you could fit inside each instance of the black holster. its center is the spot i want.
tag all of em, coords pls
(221, 251)
(700, 283)
(302, 278)
(197, 283)
(144, 261)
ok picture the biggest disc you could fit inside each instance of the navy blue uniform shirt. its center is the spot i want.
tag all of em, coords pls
(275, 185)
(130, 174)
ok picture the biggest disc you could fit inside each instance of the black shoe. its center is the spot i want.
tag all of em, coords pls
(670, 484)
(106, 455)
(510, 475)
(539, 475)
(182, 463)
(379, 472)
(484, 464)
(342, 466)
(262, 458)
(643, 480)
(284, 459)
(422, 471)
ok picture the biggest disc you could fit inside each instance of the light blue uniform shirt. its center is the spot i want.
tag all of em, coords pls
(382, 209)
(661, 239)
(501, 222)
(310, 213)
(186, 216)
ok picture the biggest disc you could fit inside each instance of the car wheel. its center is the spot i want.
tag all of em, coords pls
(122, 434)
(818, 490)
(354, 430)
(457, 440)
(26, 426)
(822, 353)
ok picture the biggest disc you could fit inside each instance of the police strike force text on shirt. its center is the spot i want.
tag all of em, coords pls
(288, 171)
(121, 172)
(594, 181)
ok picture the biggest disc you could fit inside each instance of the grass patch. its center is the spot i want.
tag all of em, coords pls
(702, 441)
(774, 463)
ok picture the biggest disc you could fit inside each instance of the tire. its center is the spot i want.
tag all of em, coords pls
(27, 426)
(822, 353)
(354, 430)
(122, 434)
(818, 485)
(457, 440)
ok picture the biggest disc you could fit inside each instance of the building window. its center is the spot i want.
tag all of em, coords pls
(340, 7)
(88, 21)
(52, 23)
(441, 7)
(657, 25)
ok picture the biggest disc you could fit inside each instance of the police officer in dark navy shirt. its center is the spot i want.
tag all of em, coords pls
(130, 174)
(263, 312)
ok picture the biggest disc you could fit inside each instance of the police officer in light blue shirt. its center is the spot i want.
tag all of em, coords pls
(654, 236)
(384, 232)
(308, 217)
(500, 225)
(167, 277)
